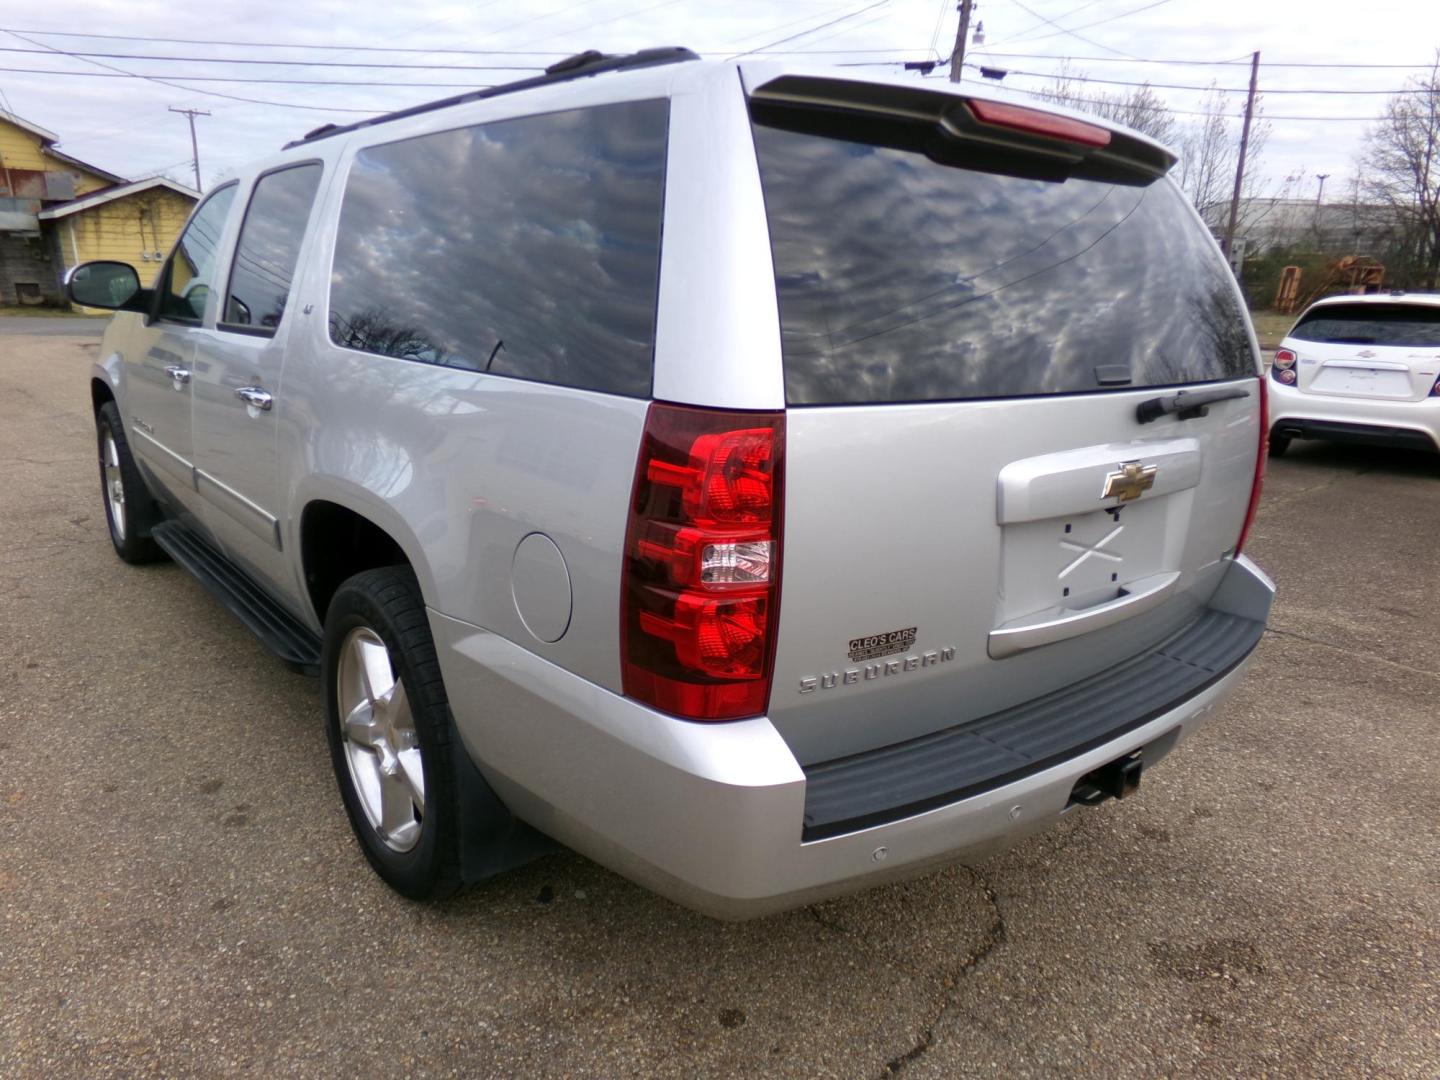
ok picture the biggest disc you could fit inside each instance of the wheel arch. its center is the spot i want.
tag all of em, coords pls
(106, 377)
(341, 533)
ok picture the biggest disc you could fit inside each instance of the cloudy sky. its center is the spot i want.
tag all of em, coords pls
(122, 124)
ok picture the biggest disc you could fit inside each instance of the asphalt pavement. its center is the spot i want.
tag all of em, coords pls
(180, 893)
(49, 326)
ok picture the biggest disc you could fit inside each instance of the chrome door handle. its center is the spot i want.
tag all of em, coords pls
(177, 373)
(257, 397)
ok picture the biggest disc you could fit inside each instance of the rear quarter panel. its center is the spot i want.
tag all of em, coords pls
(460, 466)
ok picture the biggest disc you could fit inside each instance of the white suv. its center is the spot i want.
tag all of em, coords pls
(1360, 369)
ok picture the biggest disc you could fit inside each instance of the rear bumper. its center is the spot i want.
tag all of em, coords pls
(713, 815)
(1411, 424)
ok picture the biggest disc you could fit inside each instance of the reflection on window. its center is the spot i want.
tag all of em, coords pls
(1407, 325)
(902, 279)
(526, 247)
(268, 248)
(185, 281)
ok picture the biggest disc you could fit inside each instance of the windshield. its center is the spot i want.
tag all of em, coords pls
(1413, 325)
(903, 279)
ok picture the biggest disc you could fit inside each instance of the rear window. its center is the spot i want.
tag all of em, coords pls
(902, 279)
(1413, 325)
(526, 247)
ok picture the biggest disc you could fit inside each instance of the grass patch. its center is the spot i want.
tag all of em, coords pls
(1270, 327)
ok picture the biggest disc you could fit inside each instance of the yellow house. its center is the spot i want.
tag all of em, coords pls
(130, 223)
(57, 211)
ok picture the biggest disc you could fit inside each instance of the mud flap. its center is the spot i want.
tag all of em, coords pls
(492, 839)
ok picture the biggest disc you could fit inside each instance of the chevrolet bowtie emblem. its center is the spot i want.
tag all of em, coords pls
(1129, 481)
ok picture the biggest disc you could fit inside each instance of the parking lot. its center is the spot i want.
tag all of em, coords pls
(180, 893)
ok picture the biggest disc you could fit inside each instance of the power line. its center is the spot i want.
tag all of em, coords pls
(280, 44)
(191, 89)
(813, 29)
(150, 38)
(939, 22)
(1184, 112)
(574, 29)
(1198, 63)
(1056, 22)
(119, 74)
(1072, 32)
(280, 63)
(240, 79)
(769, 30)
(1202, 89)
(849, 29)
(148, 173)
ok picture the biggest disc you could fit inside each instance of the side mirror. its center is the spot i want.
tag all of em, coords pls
(114, 286)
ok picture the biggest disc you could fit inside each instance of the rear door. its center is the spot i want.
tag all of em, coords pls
(976, 513)
(1368, 349)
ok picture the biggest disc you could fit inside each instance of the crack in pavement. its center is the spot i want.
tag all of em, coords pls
(833, 925)
(1351, 652)
(1277, 498)
(995, 936)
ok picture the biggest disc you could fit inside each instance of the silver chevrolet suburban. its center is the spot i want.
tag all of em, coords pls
(764, 480)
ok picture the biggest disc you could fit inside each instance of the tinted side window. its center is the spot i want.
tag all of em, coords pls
(526, 247)
(186, 280)
(268, 248)
(1413, 325)
(904, 279)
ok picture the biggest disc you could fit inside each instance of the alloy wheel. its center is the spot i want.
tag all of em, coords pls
(114, 484)
(377, 731)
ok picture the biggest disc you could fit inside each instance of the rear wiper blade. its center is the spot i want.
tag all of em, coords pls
(1186, 404)
(1350, 341)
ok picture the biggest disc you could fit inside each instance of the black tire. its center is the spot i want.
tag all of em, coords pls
(1279, 444)
(138, 511)
(387, 602)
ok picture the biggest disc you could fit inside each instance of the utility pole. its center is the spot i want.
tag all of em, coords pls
(962, 32)
(1240, 162)
(190, 114)
(1322, 177)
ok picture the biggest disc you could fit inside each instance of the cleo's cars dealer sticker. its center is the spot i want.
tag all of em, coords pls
(877, 645)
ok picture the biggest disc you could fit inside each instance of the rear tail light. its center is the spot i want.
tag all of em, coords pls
(1260, 456)
(1282, 370)
(702, 562)
(1435, 390)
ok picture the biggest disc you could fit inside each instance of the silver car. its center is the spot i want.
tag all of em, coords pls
(765, 480)
(1360, 369)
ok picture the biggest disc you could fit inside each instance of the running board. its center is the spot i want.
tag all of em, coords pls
(279, 631)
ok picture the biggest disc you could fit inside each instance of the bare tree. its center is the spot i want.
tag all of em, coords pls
(1400, 169)
(372, 330)
(1207, 145)
(1141, 108)
(1208, 149)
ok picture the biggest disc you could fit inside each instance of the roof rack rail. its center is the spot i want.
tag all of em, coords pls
(580, 66)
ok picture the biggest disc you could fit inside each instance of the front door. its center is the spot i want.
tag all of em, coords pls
(237, 375)
(159, 372)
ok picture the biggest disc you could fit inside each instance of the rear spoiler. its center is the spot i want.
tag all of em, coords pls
(950, 127)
